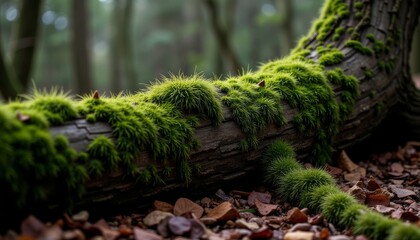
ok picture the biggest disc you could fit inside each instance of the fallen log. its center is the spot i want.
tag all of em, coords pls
(369, 40)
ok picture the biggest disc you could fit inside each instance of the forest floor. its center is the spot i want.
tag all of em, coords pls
(387, 182)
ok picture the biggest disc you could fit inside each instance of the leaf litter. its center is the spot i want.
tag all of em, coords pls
(387, 183)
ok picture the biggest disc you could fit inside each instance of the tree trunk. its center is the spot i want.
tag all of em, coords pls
(15, 77)
(220, 155)
(81, 56)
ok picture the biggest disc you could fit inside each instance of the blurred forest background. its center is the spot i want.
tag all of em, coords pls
(114, 45)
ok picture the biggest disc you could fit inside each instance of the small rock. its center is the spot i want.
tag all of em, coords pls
(208, 220)
(296, 216)
(73, 235)
(339, 237)
(197, 229)
(223, 212)
(352, 177)
(154, 217)
(372, 185)
(257, 220)
(241, 223)
(31, 226)
(397, 167)
(82, 216)
(345, 163)
(263, 233)
(361, 237)
(316, 220)
(262, 197)
(265, 209)
(300, 227)
(299, 235)
(383, 209)
(179, 225)
(401, 192)
(184, 205)
(222, 195)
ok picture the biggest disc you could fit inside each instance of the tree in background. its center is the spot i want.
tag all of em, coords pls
(122, 62)
(80, 46)
(14, 77)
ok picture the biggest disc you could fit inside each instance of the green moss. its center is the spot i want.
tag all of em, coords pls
(278, 167)
(314, 198)
(298, 182)
(404, 232)
(358, 15)
(338, 32)
(368, 73)
(379, 107)
(358, 5)
(334, 205)
(56, 105)
(278, 149)
(374, 225)
(103, 149)
(334, 56)
(351, 214)
(356, 45)
(192, 95)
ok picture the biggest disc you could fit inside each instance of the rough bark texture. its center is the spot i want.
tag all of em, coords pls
(220, 157)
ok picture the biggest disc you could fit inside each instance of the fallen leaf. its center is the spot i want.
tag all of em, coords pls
(316, 220)
(264, 209)
(223, 212)
(334, 170)
(397, 213)
(345, 163)
(163, 206)
(409, 216)
(262, 197)
(300, 227)
(155, 217)
(295, 215)
(179, 225)
(402, 193)
(352, 177)
(222, 195)
(372, 185)
(373, 199)
(383, 209)
(140, 234)
(184, 205)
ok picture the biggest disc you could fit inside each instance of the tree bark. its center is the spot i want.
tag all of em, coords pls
(222, 160)
(81, 57)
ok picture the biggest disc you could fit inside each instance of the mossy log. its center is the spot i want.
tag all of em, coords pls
(345, 78)
(382, 31)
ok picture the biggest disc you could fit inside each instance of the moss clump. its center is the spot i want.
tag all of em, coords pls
(103, 149)
(338, 32)
(192, 95)
(358, 5)
(356, 45)
(404, 232)
(279, 167)
(278, 149)
(335, 204)
(299, 182)
(352, 213)
(313, 198)
(254, 103)
(303, 85)
(374, 225)
(368, 73)
(332, 57)
(55, 105)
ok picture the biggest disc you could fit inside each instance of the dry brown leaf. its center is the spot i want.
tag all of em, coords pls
(372, 184)
(223, 212)
(409, 216)
(262, 197)
(358, 193)
(352, 177)
(163, 206)
(345, 163)
(373, 199)
(264, 209)
(184, 205)
(383, 209)
(401, 192)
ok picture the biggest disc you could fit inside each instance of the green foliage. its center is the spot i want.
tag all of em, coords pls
(332, 57)
(335, 204)
(358, 5)
(351, 214)
(314, 198)
(404, 232)
(55, 105)
(278, 167)
(374, 225)
(338, 32)
(103, 149)
(356, 45)
(192, 95)
(278, 149)
(296, 183)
